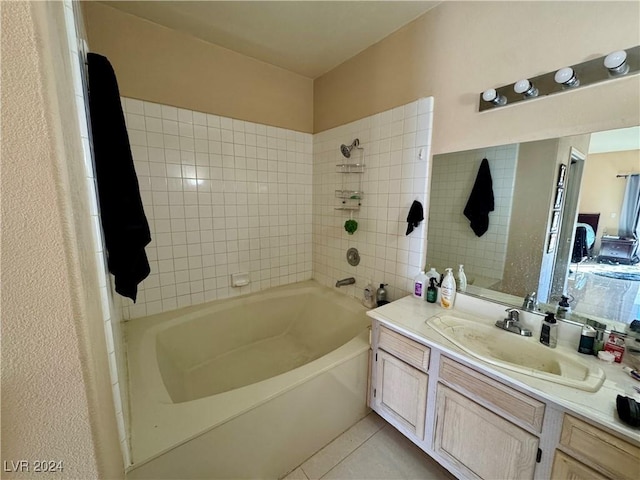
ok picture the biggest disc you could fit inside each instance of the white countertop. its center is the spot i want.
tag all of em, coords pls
(409, 315)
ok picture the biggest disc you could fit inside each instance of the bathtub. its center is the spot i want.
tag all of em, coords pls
(247, 387)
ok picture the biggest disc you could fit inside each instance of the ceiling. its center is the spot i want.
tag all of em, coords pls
(615, 140)
(306, 37)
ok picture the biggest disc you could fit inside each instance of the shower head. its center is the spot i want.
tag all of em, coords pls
(346, 149)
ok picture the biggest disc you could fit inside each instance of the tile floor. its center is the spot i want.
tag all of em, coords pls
(371, 449)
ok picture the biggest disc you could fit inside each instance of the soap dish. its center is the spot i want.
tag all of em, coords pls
(606, 356)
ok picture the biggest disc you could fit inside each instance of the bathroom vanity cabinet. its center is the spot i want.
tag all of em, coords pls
(400, 388)
(481, 427)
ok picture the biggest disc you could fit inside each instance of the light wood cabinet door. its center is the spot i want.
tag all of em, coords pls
(567, 468)
(481, 443)
(620, 459)
(400, 393)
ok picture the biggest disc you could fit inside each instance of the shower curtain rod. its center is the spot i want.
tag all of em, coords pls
(626, 175)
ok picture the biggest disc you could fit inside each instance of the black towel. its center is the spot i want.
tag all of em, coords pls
(126, 230)
(415, 216)
(480, 201)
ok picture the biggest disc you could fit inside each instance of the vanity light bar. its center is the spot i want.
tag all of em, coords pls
(619, 64)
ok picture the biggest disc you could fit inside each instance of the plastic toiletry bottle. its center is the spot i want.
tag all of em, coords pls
(420, 285)
(369, 299)
(587, 339)
(632, 373)
(564, 309)
(549, 332)
(462, 279)
(381, 295)
(432, 273)
(448, 290)
(432, 291)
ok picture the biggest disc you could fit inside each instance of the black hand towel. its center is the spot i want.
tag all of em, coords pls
(415, 216)
(480, 201)
(126, 230)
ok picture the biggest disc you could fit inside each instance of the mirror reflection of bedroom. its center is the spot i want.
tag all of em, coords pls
(604, 272)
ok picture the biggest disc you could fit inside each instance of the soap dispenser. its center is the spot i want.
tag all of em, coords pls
(549, 332)
(564, 309)
(381, 295)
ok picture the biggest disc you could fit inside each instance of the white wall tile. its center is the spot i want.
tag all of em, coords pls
(451, 241)
(202, 196)
(393, 178)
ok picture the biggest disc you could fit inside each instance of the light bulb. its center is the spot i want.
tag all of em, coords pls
(616, 63)
(494, 97)
(526, 88)
(567, 77)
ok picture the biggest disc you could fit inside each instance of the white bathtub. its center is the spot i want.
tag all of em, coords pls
(247, 387)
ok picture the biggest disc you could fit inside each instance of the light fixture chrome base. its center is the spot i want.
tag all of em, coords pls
(586, 73)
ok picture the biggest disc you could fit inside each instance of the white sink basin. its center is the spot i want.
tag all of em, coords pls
(520, 354)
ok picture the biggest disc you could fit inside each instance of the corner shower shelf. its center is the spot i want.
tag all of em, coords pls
(349, 194)
(350, 167)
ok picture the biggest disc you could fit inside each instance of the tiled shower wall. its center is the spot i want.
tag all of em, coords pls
(222, 196)
(396, 151)
(450, 241)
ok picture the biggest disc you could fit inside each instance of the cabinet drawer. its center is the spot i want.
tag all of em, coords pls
(615, 252)
(615, 456)
(404, 348)
(566, 467)
(501, 398)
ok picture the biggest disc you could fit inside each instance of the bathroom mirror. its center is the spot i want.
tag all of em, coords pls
(542, 191)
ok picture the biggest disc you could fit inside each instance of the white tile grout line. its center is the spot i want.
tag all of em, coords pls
(355, 449)
(383, 425)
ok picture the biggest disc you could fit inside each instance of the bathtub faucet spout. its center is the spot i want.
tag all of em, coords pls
(345, 281)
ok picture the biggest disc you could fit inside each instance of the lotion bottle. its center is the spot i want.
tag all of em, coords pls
(462, 279)
(448, 290)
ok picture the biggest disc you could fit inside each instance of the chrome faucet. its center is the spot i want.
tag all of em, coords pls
(345, 281)
(512, 323)
(530, 302)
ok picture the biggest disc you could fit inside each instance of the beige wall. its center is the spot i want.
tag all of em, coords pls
(529, 213)
(556, 264)
(56, 393)
(161, 65)
(602, 192)
(459, 49)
